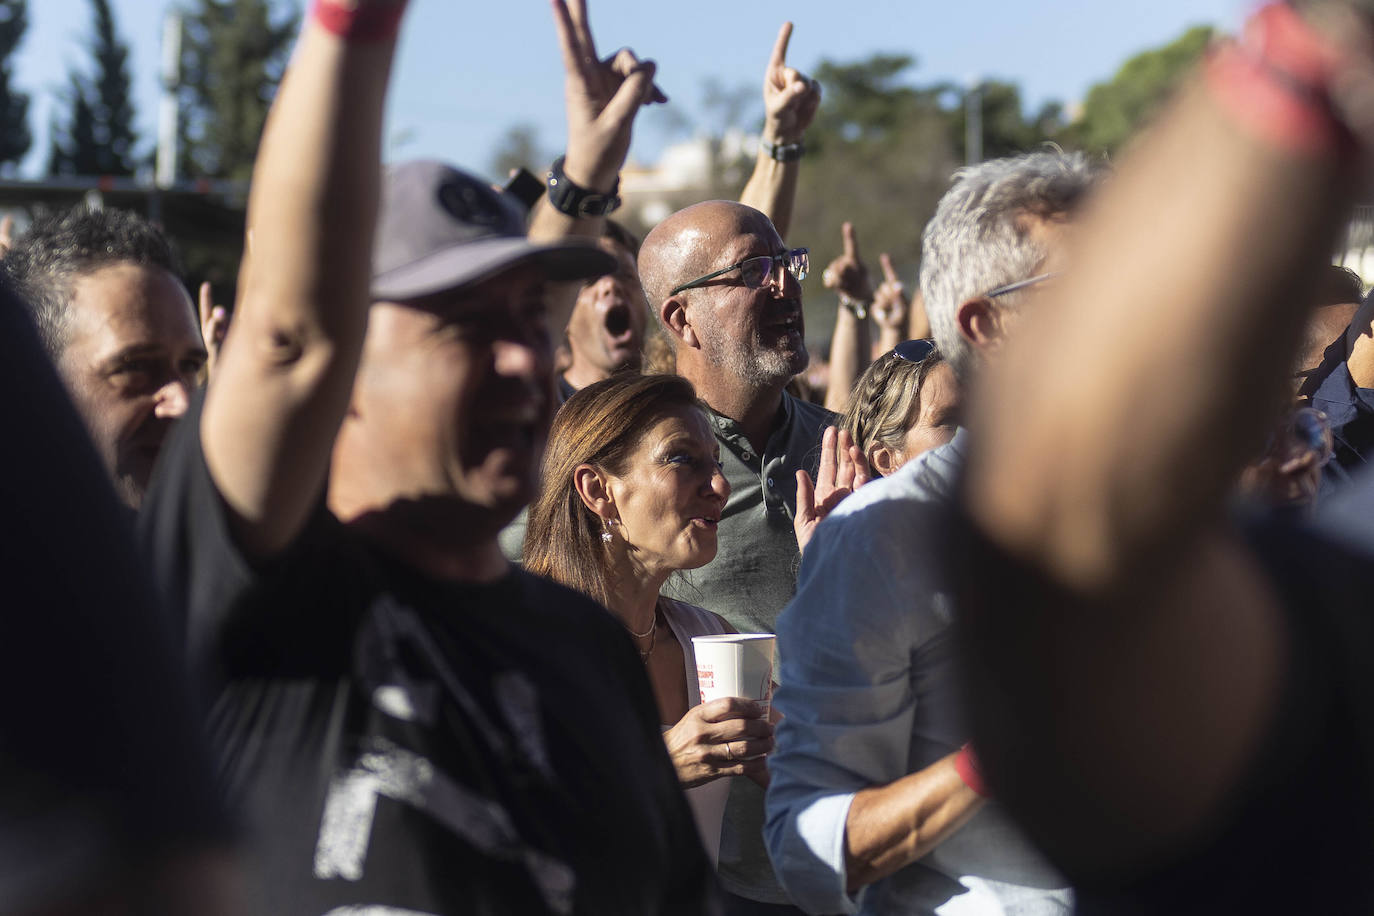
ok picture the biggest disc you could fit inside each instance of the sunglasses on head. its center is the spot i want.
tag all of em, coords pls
(913, 351)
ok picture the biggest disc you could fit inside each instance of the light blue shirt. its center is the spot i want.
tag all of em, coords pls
(868, 695)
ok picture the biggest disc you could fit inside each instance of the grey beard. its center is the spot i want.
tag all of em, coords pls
(760, 368)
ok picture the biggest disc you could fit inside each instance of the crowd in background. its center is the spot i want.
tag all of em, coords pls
(376, 593)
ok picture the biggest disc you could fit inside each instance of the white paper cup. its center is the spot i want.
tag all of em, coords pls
(735, 665)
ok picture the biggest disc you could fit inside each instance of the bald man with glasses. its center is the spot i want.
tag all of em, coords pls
(727, 292)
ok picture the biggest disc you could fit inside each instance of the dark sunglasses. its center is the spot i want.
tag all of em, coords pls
(755, 271)
(913, 351)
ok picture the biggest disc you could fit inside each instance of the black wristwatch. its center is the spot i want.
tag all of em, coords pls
(571, 200)
(783, 152)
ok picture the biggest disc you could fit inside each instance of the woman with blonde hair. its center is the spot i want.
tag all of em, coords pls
(905, 404)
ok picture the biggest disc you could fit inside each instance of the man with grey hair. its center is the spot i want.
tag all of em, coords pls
(876, 805)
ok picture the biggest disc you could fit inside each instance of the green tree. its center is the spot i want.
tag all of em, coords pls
(867, 100)
(1115, 110)
(15, 137)
(98, 137)
(879, 154)
(233, 55)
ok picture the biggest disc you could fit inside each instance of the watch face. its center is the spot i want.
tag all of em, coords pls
(598, 204)
(568, 198)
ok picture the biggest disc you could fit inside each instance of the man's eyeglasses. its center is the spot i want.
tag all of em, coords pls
(913, 351)
(756, 271)
(1019, 284)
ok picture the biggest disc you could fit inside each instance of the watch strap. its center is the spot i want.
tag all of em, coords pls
(573, 200)
(783, 152)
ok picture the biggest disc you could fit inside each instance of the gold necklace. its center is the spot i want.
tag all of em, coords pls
(651, 633)
(653, 640)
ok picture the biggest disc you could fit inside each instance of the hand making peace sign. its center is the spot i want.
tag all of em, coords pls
(603, 97)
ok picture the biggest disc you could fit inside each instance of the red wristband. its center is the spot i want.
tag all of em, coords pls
(967, 766)
(376, 22)
(1274, 82)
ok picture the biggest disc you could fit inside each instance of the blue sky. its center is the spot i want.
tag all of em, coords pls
(470, 70)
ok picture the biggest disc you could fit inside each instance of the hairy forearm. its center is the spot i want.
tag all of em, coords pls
(889, 337)
(891, 826)
(283, 382)
(772, 190)
(549, 225)
(917, 321)
(849, 356)
(314, 195)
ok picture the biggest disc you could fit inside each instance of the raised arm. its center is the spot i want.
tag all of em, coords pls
(790, 100)
(1110, 436)
(850, 351)
(283, 380)
(892, 310)
(602, 99)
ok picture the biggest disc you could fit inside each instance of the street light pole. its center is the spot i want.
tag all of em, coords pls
(973, 124)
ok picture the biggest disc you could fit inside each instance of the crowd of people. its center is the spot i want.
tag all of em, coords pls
(359, 600)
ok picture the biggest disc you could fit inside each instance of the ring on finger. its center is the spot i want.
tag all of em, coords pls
(729, 751)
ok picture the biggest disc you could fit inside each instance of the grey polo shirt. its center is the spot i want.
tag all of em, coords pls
(755, 570)
(749, 583)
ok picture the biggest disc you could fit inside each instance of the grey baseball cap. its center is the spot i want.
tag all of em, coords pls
(441, 229)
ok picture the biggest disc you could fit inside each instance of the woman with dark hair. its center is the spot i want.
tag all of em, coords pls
(906, 403)
(632, 492)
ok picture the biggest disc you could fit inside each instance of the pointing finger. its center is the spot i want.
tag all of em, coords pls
(207, 303)
(851, 243)
(779, 58)
(888, 272)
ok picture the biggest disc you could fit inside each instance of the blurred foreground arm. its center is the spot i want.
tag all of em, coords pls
(1106, 453)
(283, 381)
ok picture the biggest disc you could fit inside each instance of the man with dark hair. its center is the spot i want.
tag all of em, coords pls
(107, 803)
(606, 330)
(105, 292)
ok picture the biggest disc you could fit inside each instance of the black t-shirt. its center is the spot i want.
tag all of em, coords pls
(102, 768)
(397, 741)
(1296, 835)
